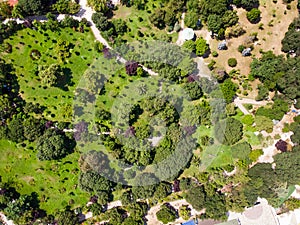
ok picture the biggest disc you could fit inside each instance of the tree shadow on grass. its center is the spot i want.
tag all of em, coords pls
(66, 80)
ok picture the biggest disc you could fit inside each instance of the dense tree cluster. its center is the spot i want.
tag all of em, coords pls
(96, 184)
(36, 7)
(54, 145)
(205, 196)
(167, 15)
(279, 74)
(275, 111)
(66, 7)
(22, 209)
(166, 214)
(229, 131)
(290, 43)
(217, 15)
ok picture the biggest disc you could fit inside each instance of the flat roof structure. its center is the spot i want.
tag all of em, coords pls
(191, 222)
(260, 214)
(230, 222)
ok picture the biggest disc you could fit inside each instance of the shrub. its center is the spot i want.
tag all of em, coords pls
(201, 46)
(232, 62)
(215, 54)
(254, 15)
(98, 46)
(211, 64)
(35, 54)
(241, 48)
(255, 154)
(248, 120)
(190, 45)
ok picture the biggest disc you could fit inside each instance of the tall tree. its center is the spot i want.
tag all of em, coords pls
(228, 131)
(214, 23)
(31, 7)
(54, 145)
(50, 75)
(166, 214)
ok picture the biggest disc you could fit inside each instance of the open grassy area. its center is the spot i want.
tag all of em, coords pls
(215, 156)
(54, 181)
(57, 101)
(139, 23)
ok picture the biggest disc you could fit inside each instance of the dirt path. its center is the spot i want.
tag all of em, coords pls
(89, 215)
(271, 150)
(5, 220)
(152, 219)
(87, 12)
(239, 102)
(180, 39)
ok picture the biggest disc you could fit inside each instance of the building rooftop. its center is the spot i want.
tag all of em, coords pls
(231, 222)
(191, 222)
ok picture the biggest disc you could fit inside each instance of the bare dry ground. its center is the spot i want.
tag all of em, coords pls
(268, 39)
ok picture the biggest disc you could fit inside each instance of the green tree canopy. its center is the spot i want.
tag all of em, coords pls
(193, 90)
(291, 40)
(166, 214)
(100, 21)
(190, 45)
(228, 89)
(31, 7)
(191, 19)
(230, 18)
(196, 197)
(50, 75)
(157, 18)
(228, 131)
(249, 4)
(253, 15)
(214, 23)
(201, 46)
(53, 145)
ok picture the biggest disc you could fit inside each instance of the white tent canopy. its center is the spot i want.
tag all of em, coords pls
(188, 34)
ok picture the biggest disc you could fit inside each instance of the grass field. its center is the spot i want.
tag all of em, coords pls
(139, 22)
(57, 101)
(215, 156)
(54, 181)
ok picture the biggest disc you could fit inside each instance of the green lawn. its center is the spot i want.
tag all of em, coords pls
(57, 101)
(139, 22)
(215, 156)
(54, 181)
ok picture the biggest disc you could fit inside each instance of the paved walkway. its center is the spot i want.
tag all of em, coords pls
(239, 102)
(151, 215)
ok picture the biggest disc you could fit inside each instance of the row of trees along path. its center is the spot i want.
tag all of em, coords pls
(87, 12)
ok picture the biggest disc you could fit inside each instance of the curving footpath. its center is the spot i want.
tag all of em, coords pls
(240, 101)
